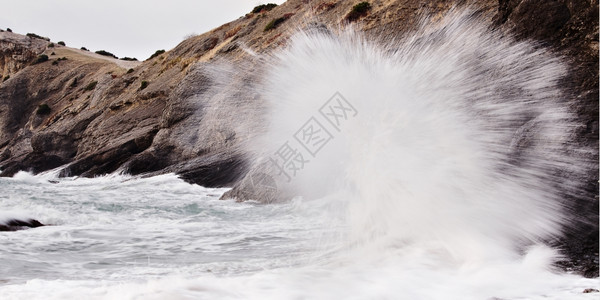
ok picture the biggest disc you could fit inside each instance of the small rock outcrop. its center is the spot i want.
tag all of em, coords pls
(16, 224)
(18, 51)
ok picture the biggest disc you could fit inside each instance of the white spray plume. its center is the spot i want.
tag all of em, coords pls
(457, 136)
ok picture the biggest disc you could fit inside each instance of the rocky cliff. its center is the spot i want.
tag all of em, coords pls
(188, 111)
(17, 51)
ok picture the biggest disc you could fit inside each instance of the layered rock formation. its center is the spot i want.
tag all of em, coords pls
(189, 110)
(17, 51)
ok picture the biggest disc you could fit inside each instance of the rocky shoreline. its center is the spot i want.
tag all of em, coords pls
(187, 112)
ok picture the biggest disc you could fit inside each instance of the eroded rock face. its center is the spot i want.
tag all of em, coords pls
(571, 29)
(18, 51)
(101, 120)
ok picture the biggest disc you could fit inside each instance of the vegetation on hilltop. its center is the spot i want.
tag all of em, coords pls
(157, 53)
(106, 53)
(35, 36)
(263, 7)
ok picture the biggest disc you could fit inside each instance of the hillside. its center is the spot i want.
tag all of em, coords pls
(187, 111)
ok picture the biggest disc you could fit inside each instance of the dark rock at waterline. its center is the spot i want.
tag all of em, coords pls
(33, 162)
(15, 224)
(110, 159)
(214, 170)
(580, 240)
(256, 185)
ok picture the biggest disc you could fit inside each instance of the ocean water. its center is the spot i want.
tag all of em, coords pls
(120, 237)
(428, 166)
(117, 229)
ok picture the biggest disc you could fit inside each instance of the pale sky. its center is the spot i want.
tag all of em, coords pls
(124, 28)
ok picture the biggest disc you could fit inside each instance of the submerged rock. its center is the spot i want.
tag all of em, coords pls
(16, 224)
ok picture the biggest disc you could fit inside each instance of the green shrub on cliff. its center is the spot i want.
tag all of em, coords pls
(359, 10)
(51, 45)
(40, 59)
(143, 85)
(263, 7)
(157, 53)
(106, 53)
(7, 77)
(91, 86)
(62, 43)
(276, 22)
(43, 109)
(8, 29)
(59, 59)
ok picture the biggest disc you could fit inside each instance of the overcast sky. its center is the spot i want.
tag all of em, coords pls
(124, 28)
